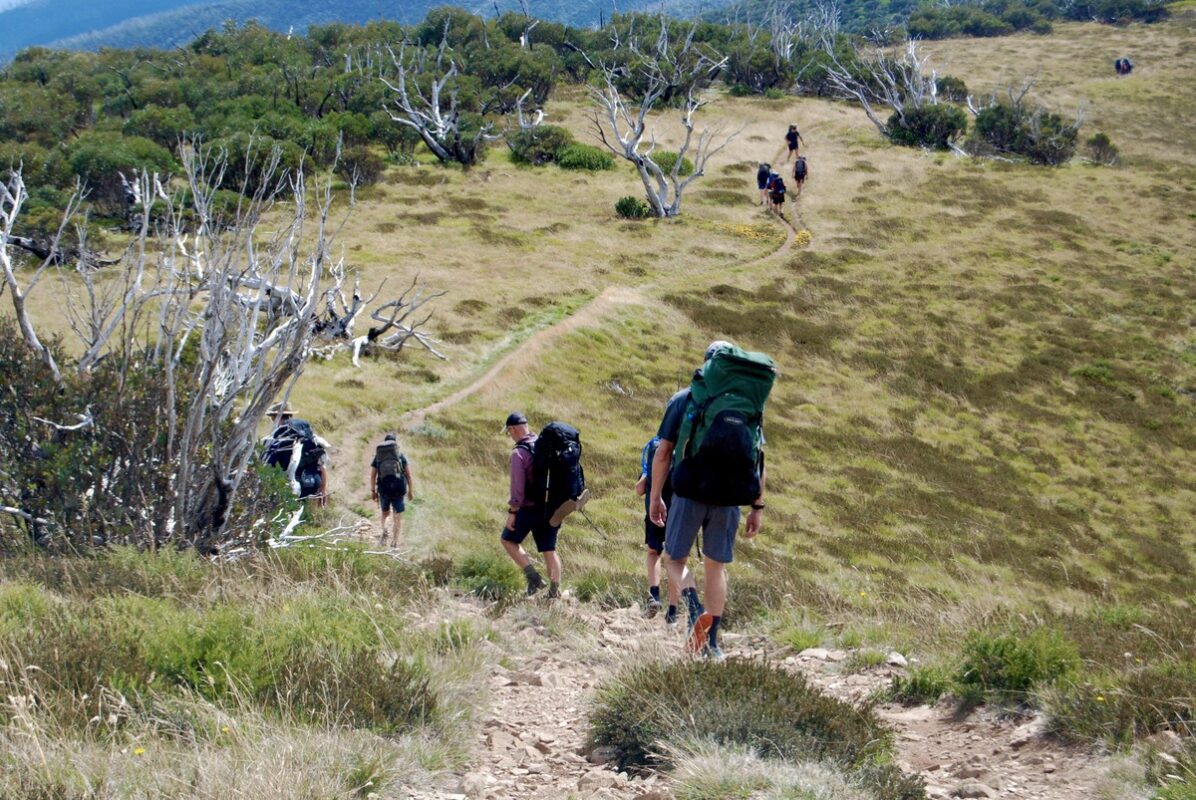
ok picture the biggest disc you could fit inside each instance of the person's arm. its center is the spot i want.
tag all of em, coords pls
(755, 516)
(323, 500)
(374, 482)
(641, 486)
(518, 487)
(661, 466)
(410, 482)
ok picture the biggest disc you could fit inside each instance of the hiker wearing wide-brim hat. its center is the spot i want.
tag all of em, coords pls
(525, 515)
(280, 412)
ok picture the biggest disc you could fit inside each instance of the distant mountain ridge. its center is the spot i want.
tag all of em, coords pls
(86, 24)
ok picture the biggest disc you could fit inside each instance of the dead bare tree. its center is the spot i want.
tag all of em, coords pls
(876, 78)
(427, 98)
(665, 70)
(226, 318)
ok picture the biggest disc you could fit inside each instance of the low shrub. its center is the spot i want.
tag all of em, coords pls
(1042, 136)
(584, 157)
(1102, 149)
(606, 589)
(742, 703)
(360, 164)
(774, 94)
(740, 90)
(539, 145)
(1010, 667)
(490, 576)
(934, 126)
(666, 159)
(632, 208)
(951, 89)
(1122, 707)
(921, 686)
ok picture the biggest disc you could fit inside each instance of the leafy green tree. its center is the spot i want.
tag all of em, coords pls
(105, 161)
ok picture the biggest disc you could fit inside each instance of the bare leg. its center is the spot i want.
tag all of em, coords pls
(516, 553)
(385, 516)
(553, 563)
(716, 587)
(398, 525)
(680, 578)
(653, 568)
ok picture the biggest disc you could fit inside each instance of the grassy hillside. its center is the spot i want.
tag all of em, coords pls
(984, 420)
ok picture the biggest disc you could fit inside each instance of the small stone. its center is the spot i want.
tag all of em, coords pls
(1048, 768)
(970, 772)
(475, 784)
(603, 755)
(895, 659)
(527, 678)
(974, 789)
(1024, 734)
(500, 740)
(655, 794)
(815, 653)
(598, 779)
(546, 736)
(836, 655)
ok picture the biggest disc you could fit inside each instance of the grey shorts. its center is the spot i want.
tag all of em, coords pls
(717, 523)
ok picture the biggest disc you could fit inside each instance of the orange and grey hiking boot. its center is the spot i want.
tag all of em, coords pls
(696, 645)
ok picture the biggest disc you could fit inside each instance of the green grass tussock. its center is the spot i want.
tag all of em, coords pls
(742, 703)
(1009, 667)
(490, 575)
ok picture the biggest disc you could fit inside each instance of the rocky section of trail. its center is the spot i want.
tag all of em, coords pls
(531, 742)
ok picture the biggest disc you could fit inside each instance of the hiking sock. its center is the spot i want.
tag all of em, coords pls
(712, 636)
(670, 616)
(655, 592)
(692, 603)
(534, 582)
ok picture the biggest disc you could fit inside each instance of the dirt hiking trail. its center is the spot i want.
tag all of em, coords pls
(531, 743)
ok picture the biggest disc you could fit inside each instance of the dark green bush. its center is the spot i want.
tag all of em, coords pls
(747, 703)
(1102, 149)
(360, 164)
(740, 90)
(1042, 136)
(934, 126)
(1010, 666)
(585, 157)
(665, 159)
(951, 89)
(538, 145)
(632, 208)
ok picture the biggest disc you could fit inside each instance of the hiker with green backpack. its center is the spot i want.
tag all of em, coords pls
(712, 447)
(391, 484)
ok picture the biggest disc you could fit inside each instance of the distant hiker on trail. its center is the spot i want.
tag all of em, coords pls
(294, 447)
(792, 140)
(1123, 66)
(712, 440)
(801, 171)
(762, 173)
(654, 536)
(776, 194)
(547, 484)
(391, 484)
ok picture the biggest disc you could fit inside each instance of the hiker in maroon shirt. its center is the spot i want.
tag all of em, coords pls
(524, 516)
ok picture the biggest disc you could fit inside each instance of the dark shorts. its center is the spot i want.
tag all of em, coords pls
(392, 502)
(653, 536)
(779, 199)
(531, 520)
(792, 146)
(718, 525)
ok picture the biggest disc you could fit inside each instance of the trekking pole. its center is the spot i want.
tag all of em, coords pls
(586, 517)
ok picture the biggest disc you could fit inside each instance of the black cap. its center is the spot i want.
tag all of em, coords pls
(390, 437)
(516, 418)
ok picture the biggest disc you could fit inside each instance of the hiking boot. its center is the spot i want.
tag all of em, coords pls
(534, 583)
(670, 617)
(699, 633)
(714, 653)
(568, 507)
(653, 607)
(554, 591)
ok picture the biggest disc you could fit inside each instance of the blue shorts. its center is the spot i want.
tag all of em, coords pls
(396, 502)
(762, 183)
(531, 520)
(717, 523)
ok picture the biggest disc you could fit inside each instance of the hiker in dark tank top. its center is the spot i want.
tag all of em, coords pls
(391, 484)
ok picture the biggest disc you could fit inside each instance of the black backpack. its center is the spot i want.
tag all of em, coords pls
(392, 479)
(557, 474)
(281, 446)
(799, 170)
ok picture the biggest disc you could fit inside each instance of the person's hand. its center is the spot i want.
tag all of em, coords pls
(410, 496)
(322, 500)
(659, 512)
(510, 522)
(754, 519)
(374, 494)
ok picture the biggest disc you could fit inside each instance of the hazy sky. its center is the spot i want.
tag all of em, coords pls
(7, 4)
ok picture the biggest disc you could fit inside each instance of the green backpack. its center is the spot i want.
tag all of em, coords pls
(717, 456)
